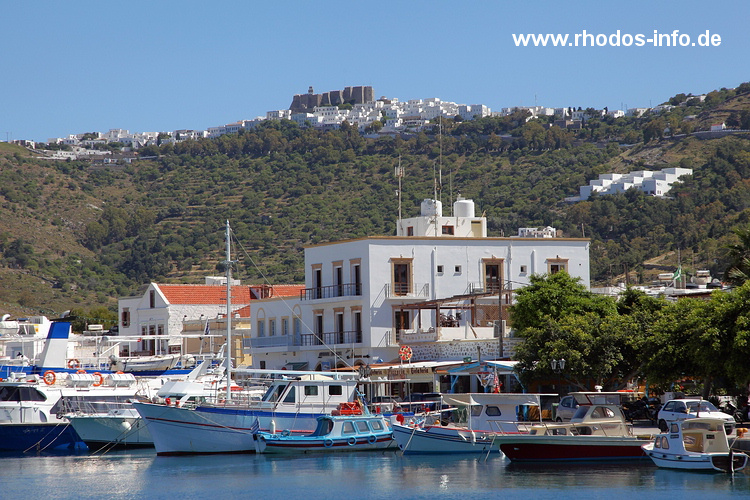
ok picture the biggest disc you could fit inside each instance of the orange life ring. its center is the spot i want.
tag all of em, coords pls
(49, 377)
(405, 353)
(99, 379)
(73, 363)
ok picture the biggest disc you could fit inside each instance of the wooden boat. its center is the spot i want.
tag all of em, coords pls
(695, 444)
(334, 433)
(477, 419)
(596, 432)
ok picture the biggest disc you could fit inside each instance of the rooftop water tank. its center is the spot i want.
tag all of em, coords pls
(463, 208)
(431, 208)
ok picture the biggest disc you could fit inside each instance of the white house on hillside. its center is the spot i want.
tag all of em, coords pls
(440, 286)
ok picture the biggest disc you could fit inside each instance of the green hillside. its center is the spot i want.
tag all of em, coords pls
(77, 235)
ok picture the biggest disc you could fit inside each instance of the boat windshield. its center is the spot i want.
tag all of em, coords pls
(325, 426)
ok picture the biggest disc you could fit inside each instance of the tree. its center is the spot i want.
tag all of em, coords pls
(739, 255)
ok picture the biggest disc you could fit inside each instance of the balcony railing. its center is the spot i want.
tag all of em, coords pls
(407, 290)
(274, 341)
(331, 291)
(331, 338)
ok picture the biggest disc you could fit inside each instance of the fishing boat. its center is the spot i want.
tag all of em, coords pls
(597, 431)
(475, 422)
(356, 430)
(699, 444)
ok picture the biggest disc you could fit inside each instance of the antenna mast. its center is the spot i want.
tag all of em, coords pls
(399, 174)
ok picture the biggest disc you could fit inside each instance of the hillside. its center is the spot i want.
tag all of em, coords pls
(78, 236)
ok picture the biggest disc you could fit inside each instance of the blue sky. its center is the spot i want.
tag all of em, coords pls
(84, 66)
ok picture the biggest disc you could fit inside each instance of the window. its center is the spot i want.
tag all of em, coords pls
(402, 320)
(285, 326)
(335, 390)
(261, 328)
(493, 275)
(297, 327)
(125, 317)
(348, 428)
(338, 280)
(402, 277)
(151, 299)
(291, 395)
(376, 425)
(523, 269)
(410, 231)
(262, 365)
(362, 426)
(440, 269)
(493, 411)
(554, 266)
(311, 390)
(357, 273)
(447, 230)
(457, 269)
(271, 327)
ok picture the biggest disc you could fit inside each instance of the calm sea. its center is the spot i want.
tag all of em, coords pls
(141, 474)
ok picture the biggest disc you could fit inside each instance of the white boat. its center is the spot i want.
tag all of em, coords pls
(33, 408)
(293, 404)
(695, 444)
(334, 433)
(157, 363)
(597, 431)
(477, 420)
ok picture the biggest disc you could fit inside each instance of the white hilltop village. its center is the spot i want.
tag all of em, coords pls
(356, 106)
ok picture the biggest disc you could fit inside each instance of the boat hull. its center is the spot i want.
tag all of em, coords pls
(40, 437)
(112, 431)
(571, 448)
(207, 430)
(305, 444)
(436, 439)
(710, 462)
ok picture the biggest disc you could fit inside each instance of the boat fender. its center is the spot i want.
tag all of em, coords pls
(372, 439)
(351, 441)
(328, 442)
(80, 371)
(99, 379)
(49, 377)
(272, 429)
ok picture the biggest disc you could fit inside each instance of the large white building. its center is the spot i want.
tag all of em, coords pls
(440, 286)
(654, 183)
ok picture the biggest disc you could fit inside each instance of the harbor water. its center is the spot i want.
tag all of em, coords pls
(141, 474)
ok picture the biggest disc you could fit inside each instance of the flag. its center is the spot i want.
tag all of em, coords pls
(677, 274)
(496, 383)
(255, 428)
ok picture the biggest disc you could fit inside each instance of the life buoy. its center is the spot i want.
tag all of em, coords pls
(99, 379)
(73, 363)
(327, 442)
(405, 353)
(80, 371)
(372, 439)
(49, 377)
(351, 441)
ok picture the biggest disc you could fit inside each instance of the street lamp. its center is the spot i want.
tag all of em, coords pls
(558, 365)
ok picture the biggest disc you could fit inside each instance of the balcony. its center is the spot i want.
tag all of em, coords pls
(331, 338)
(275, 341)
(418, 290)
(328, 292)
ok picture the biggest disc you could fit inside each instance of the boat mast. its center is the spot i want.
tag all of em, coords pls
(228, 263)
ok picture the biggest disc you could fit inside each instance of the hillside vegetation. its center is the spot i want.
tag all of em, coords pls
(76, 235)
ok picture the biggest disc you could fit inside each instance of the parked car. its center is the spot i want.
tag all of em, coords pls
(683, 409)
(566, 409)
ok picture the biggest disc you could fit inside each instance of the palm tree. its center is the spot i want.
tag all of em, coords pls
(738, 271)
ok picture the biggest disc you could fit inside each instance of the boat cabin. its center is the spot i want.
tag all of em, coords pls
(589, 420)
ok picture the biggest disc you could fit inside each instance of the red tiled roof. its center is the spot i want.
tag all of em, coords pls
(204, 294)
(287, 290)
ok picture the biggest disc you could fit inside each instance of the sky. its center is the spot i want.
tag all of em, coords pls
(150, 66)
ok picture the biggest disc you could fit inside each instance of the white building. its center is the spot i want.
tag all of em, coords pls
(440, 286)
(654, 183)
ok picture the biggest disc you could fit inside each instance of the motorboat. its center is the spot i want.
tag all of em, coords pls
(472, 423)
(225, 425)
(695, 444)
(360, 431)
(33, 408)
(597, 431)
